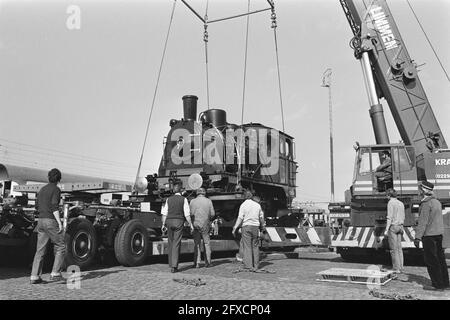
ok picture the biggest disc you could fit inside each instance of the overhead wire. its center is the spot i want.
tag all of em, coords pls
(37, 164)
(52, 158)
(429, 42)
(45, 163)
(64, 154)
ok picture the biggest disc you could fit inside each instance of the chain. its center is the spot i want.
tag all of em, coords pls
(205, 40)
(273, 17)
(205, 33)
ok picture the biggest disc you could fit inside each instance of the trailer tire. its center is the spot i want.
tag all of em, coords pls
(131, 243)
(81, 243)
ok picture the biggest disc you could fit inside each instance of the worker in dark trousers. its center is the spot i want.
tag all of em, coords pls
(202, 211)
(252, 218)
(174, 212)
(49, 227)
(430, 230)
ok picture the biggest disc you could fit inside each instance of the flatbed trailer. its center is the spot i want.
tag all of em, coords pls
(131, 230)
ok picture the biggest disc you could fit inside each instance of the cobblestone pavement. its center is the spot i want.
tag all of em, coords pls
(294, 277)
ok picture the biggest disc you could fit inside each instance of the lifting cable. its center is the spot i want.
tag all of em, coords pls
(245, 65)
(240, 147)
(205, 39)
(429, 42)
(274, 27)
(154, 94)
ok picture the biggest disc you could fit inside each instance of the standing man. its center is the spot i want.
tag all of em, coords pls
(203, 212)
(394, 229)
(174, 212)
(252, 218)
(430, 230)
(49, 227)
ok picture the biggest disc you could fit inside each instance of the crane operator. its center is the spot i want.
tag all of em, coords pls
(384, 171)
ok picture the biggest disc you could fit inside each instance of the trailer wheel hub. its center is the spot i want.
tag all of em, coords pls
(81, 245)
(137, 243)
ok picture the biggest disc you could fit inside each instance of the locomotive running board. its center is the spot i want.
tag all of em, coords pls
(359, 276)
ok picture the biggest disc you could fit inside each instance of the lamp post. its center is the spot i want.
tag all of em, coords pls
(326, 82)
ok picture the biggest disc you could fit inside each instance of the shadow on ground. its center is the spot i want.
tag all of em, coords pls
(421, 280)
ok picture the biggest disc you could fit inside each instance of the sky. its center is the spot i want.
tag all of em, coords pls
(80, 99)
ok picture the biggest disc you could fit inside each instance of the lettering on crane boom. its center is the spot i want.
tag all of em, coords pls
(442, 162)
(382, 26)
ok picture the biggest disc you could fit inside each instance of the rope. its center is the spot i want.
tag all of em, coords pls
(205, 39)
(154, 94)
(429, 42)
(392, 296)
(191, 282)
(274, 27)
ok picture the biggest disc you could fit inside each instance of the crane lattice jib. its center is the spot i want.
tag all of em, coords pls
(395, 73)
(351, 20)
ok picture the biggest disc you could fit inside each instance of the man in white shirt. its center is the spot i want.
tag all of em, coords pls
(174, 212)
(252, 218)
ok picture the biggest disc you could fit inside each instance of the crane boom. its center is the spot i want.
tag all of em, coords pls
(394, 73)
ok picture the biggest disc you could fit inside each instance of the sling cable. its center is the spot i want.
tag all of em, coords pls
(205, 20)
(136, 181)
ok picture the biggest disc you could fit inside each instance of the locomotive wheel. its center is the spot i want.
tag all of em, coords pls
(131, 243)
(81, 243)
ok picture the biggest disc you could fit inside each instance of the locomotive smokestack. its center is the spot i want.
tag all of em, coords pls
(190, 108)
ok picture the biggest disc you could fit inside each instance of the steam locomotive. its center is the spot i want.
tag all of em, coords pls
(226, 159)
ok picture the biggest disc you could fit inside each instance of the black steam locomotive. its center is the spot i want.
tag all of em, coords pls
(226, 159)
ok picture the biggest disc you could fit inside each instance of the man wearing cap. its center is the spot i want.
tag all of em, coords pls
(394, 229)
(49, 228)
(174, 212)
(202, 211)
(252, 218)
(430, 230)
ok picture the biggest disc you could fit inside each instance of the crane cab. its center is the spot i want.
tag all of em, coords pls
(378, 168)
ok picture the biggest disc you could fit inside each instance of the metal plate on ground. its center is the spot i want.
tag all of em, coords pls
(360, 276)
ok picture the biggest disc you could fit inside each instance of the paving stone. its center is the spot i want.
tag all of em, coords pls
(294, 278)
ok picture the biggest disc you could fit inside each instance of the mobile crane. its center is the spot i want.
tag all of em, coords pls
(390, 73)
